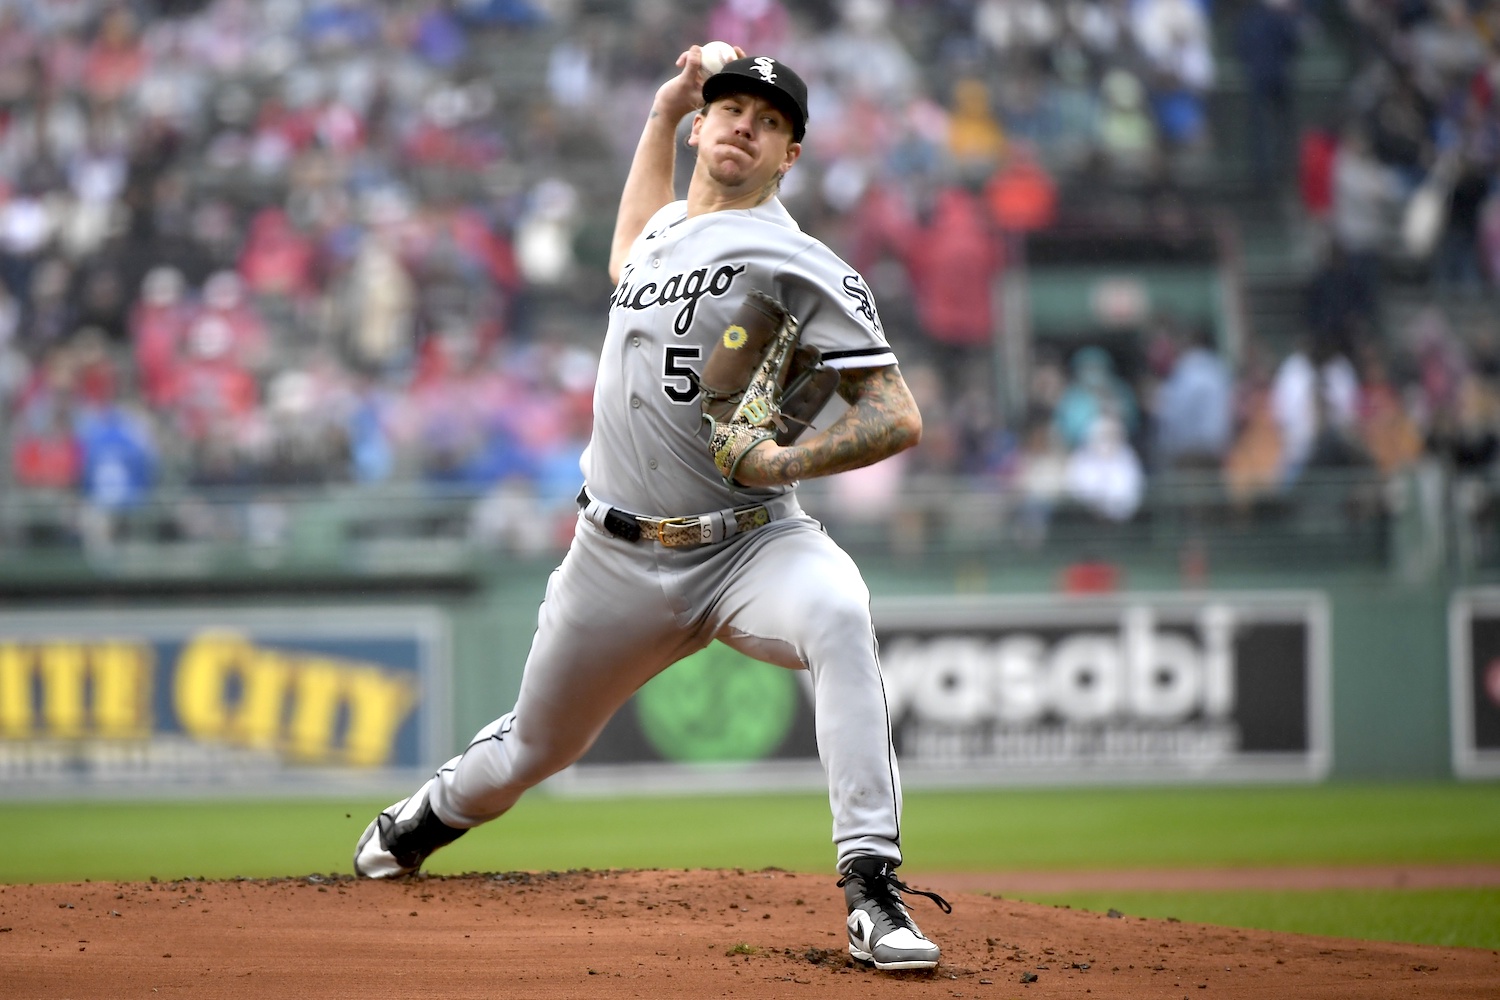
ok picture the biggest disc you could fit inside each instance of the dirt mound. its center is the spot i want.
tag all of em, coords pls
(648, 934)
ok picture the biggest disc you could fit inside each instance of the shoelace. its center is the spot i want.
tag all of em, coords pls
(884, 888)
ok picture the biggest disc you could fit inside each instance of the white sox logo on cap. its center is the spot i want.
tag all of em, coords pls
(765, 76)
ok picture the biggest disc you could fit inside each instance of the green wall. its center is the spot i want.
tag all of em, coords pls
(1390, 682)
(1388, 645)
(1388, 642)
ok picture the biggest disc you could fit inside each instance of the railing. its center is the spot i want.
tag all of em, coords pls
(1329, 519)
(1348, 518)
(388, 529)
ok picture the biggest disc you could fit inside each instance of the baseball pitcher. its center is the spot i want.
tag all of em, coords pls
(728, 328)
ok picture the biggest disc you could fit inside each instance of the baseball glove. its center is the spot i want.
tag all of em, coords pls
(761, 383)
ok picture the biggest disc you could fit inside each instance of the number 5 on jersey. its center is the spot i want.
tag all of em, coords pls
(679, 380)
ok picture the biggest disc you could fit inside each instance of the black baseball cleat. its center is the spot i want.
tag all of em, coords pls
(881, 932)
(399, 839)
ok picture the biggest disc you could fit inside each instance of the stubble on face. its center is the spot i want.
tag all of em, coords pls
(731, 178)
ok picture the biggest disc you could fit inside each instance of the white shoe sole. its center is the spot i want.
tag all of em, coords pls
(865, 957)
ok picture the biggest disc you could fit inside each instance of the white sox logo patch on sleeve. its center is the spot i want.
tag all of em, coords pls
(864, 304)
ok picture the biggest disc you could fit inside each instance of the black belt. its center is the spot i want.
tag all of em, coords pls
(675, 532)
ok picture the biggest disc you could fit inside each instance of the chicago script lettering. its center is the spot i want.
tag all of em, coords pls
(685, 287)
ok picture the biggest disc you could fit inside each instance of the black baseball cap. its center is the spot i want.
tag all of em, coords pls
(763, 77)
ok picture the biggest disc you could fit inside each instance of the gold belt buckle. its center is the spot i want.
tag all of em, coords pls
(679, 532)
(684, 531)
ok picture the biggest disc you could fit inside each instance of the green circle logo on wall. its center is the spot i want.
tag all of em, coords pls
(717, 705)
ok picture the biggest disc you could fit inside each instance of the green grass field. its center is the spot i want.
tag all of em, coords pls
(1052, 829)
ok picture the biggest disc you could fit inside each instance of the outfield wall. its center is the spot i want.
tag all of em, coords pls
(994, 677)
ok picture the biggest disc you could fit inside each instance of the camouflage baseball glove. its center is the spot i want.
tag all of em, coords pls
(761, 383)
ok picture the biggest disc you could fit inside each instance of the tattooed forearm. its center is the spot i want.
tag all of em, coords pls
(882, 420)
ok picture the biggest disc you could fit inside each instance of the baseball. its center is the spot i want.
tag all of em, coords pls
(715, 55)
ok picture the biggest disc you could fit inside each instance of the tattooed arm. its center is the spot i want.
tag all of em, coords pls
(882, 420)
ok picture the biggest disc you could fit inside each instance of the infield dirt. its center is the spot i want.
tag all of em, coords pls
(651, 934)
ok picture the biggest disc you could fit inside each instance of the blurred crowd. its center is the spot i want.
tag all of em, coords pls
(1388, 182)
(250, 245)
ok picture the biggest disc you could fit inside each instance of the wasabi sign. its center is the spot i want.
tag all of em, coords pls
(993, 690)
(1143, 686)
(105, 699)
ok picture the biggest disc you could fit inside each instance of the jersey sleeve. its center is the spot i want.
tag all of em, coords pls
(835, 308)
(663, 219)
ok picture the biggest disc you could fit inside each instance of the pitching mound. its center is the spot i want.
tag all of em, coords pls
(648, 934)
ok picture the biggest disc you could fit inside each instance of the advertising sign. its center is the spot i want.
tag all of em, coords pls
(1474, 680)
(993, 690)
(96, 699)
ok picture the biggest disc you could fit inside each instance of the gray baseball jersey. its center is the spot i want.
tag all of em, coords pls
(620, 610)
(679, 288)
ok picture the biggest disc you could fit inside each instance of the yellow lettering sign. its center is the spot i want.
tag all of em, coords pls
(264, 679)
(378, 704)
(62, 669)
(68, 689)
(199, 691)
(122, 688)
(319, 687)
(16, 712)
(314, 709)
